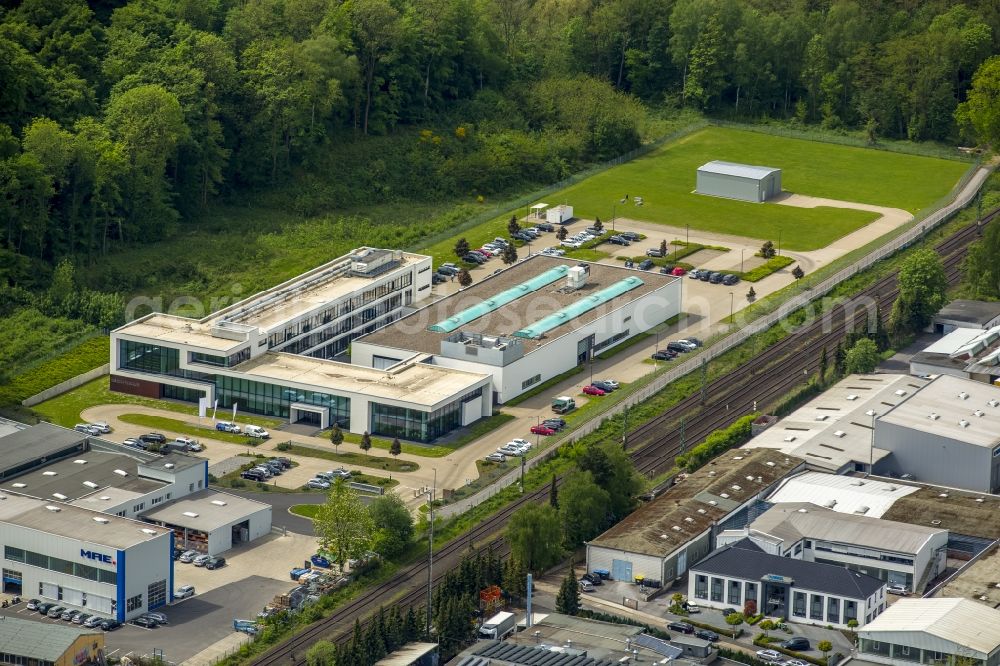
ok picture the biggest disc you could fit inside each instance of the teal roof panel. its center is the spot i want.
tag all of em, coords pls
(582, 306)
(499, 300)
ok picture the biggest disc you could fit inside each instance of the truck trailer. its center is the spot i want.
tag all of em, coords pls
(499, 626)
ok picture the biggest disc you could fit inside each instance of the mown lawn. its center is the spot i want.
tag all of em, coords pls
(351, 458)
(666, 177)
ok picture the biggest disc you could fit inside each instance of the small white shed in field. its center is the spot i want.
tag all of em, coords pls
(559, 214)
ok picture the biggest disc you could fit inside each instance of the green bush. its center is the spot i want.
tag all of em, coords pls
(770, 643)
(283, 446)
(772, 265)
(716, 443)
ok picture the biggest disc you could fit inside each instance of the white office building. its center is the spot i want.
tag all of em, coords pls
(528, 323)
(897, 553)
(88, 560)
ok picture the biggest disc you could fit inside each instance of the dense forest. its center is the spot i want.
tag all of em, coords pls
(121, 122)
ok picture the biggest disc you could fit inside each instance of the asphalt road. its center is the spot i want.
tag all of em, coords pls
(280, 503)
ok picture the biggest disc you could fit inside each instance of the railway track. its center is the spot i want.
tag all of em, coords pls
(653, 446)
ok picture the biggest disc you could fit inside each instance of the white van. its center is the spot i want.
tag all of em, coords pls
(256, 431)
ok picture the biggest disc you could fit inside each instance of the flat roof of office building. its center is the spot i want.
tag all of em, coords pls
(959, 409)
(35, 442)
(44, 641)
(411, 332)
(834, 429)
(205, 510)
(844, 494)
(412, 381)
(693, 503)
(173, 462)
(794, 521)
(82, 474)
(178, 330)
(75, 522)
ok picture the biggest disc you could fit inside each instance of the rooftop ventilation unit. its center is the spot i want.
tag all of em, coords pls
(736, 488)
(711, 472)
(90, 484)
(664, 536)
(724, 495)
(713, 502)
(861, 510)
(168, 465)
(737, 457)
(702, 511)
(963, 396)
(944, 495)
(19, 485)
(980, 500)
(80, 461)
(830, 503)
(993, 403)
(870, 412)
(49, 473)
(688, 519)
(859, 482)
(59, 496)
(935, 522)
(749, 478)
(190, 514)
(963, 423)
(790, 438)
(893, 489)
(676, 528)
(852, 397)
(839, 433)
(803, 510)
(121, 472)
(821, 417)
(218, 503)
(978, 412)
(101, 520)
(900, 392)
(105, 498)
(52, 507)
(771, 464)
(933, 416)
(149, 531)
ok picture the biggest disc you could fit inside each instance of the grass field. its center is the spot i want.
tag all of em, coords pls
(665, 179)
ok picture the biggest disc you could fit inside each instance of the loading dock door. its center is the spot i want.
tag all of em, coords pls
(682, 563)
(621, 570)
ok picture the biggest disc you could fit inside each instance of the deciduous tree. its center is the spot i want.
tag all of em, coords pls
(535, 536)
(922, 291)
(583, 508)
(461, 248)
(344, 525)
(393, 525)
(336, 437)
(366, 442)
(863, 357)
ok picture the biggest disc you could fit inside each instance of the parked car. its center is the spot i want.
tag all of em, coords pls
(215, 563)
(706, 635)
(33, 604)
(678, 271)
(285, 462)
(261, 469)
(545, 226)
(555, 422)
(798, 643)
(510, 451)
(102, 426)
(645, 264)
(188, 555)
(604, 386)
(682, 627)
(134, 443)
(654, 252)
(695, 274)
(56, 611)
(318, 484)
(704, 275)
(87, 429)
(542, 430)
(160, 618)
(201, 560)
(726, 612)
(592, 577)
(665, 270)
(68, 615)
(110, 625)
(619, 240)
(769, 656)
(474, 258)
(145, 622)
(253, 475)
(227, 426)
(184, 591)
(629, 235)
(610, 382)
(678, 347)
(93, 621)
(586, 585)
(153, 438)
(448, 269)
(695, 341)
(795, 662)
(496, 457)
(590, 389)
(188, 443)
(899, 590)
(664, 355)
(730, 279)
(691, 608)
(44, 608)
(716, 278)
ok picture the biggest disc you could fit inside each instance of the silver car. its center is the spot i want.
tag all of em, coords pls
(188, 556)
(201, 560)
(159, 617)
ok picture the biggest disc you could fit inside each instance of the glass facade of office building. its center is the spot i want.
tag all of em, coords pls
(276, 400)
(416, 425)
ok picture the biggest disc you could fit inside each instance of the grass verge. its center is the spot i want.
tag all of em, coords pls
(177, 426)
(351, 458)
(773, 265)
(87, 355)
(306, 510)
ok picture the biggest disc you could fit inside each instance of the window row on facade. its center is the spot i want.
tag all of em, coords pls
(78, 569)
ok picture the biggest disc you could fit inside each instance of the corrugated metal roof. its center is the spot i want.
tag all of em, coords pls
(801, 520)
(536, 656)
(574, 310)
(39, 640)
(738, 170)
(499, 300)
(961, 621)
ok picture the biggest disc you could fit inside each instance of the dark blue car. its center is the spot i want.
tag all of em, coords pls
(320, 561)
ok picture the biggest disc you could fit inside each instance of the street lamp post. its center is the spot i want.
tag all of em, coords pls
(742, 249)
(613, 216)
(732, 303)
(779, 241)
(430, 555)
(687, 235)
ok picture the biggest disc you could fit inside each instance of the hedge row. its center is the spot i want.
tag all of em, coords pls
(762, 642)
(773, 264)
(86, 356)
(615, 619)
(716, 443)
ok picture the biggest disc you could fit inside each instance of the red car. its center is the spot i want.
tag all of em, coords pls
(678, 271)
(590, 389)
(542, 430)
(488, 253)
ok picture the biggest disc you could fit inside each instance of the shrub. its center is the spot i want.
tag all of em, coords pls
(716, 443)
(772, 265)
(283, 446)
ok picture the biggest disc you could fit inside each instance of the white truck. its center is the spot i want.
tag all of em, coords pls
(498, 626)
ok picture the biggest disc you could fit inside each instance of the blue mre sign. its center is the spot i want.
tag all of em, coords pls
(97, 557)
(774, 578)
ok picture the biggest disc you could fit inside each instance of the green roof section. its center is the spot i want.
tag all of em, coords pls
(580, 307)
(499, 300)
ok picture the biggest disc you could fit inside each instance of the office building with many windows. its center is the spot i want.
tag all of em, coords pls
(281, 352)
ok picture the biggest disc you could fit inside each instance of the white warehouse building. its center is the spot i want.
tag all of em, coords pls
(528, 323)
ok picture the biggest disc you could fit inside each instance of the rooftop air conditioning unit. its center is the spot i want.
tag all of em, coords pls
(963, 396)
(978, 412)
(839, 433)
(993, 403)
(852, 397)
(576, 277)
(963, 423)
